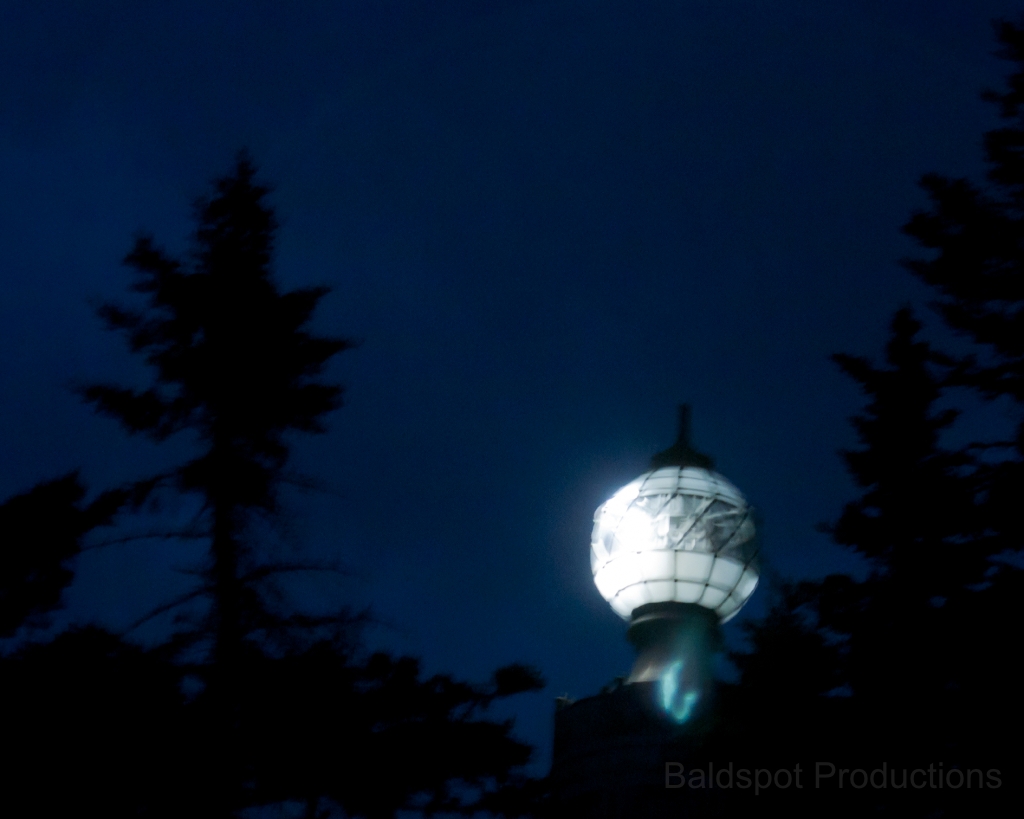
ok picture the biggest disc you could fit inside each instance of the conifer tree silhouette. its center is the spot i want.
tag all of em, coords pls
(922, 645)
(306, 717)
(976, 266)
(918, 526)
(234, 362)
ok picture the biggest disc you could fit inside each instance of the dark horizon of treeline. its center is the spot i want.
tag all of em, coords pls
(254, 704)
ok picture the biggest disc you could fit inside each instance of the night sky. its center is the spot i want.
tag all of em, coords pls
(547, 222)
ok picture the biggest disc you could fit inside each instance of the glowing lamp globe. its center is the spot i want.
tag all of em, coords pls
(680, 533)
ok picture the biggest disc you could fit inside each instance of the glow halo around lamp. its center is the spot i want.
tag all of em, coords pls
(679, 534)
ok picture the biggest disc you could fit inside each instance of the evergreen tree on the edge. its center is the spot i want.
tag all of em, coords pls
(948, 535)
(917, 659)
(41, 532)
(976, 237)
(925, 646)
(89, 720)
(917, 526)
(288, 711)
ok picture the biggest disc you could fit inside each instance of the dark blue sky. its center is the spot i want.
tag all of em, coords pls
(548, 222)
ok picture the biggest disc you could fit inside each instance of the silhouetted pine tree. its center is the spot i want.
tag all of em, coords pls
(918, 525)
(234, 362)
(287, 711)
(976, 235)
(977, 268)
(924, 646)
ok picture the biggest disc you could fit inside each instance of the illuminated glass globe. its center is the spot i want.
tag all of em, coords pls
(680, 534)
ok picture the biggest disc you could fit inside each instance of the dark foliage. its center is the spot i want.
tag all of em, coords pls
(375, 737)
(93, 724)
(40, 532)
(234, 362)
(283, 706)
(914, 665)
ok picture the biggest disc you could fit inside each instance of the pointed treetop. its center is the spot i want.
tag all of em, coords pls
(682, 453)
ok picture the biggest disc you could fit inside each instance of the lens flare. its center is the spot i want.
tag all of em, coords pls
(678, 702)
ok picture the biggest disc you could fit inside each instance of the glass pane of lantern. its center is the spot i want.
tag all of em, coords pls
(728, 607)
(658, 565)
(712, 597)
(633, 596)
(661, 591)
(693, 566)
(688, 592)
(725, 574)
